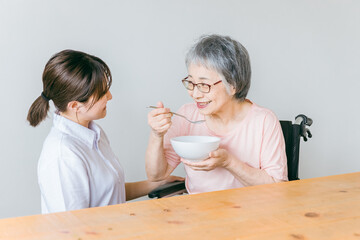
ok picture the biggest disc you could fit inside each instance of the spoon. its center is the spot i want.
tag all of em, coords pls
(199, 121)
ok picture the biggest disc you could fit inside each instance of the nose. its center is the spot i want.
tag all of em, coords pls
(108, 95)
(196, 93)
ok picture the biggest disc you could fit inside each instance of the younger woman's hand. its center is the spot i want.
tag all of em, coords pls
(169, 179)
(172, 178)
(217, 158)
(159, 120)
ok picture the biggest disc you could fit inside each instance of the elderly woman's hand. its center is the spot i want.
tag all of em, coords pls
(217, 158)
(160, 120)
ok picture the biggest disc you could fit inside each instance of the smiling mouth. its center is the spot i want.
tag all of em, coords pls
(202, 104)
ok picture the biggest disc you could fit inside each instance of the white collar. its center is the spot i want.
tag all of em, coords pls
(90, 136)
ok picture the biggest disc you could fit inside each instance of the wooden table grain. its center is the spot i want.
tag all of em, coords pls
(318, 208)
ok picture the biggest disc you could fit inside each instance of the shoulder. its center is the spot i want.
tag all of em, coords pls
(263, 119)
(262, 114)
(61, 147)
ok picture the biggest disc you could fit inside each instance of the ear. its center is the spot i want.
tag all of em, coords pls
(232, 90)
(73, 106)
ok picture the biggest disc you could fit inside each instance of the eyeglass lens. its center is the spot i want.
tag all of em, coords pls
(203, 87)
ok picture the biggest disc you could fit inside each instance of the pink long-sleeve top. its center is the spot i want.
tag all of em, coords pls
(257, 141)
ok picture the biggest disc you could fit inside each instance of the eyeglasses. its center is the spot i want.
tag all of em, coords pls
(202, 87)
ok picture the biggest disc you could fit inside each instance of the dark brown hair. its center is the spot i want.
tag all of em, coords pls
(70, 76)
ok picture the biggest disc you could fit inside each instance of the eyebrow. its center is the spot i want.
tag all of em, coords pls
(201, 78)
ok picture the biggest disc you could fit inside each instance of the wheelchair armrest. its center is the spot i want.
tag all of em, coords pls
(168, 189)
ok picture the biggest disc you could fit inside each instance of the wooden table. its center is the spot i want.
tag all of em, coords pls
(318, 208)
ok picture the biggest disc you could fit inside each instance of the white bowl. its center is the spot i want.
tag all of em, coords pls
(194, 147)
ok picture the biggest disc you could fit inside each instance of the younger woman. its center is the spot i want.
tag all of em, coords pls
(77, 167)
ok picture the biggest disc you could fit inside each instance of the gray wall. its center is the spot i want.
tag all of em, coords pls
(305, 59)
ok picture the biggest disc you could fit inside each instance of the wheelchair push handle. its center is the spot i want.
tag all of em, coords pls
(304, 121)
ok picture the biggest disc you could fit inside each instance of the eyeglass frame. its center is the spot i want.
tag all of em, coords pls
(196, 85)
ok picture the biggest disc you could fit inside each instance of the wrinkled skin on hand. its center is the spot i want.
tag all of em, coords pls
(159, 120)
(217, 158)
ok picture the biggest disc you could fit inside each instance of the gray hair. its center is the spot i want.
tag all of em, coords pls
(227, 57)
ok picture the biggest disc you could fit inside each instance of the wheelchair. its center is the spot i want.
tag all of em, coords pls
(293, 132)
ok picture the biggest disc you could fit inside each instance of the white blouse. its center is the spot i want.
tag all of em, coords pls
(77, 168)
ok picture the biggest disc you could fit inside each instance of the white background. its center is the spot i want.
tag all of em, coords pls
(305, 59)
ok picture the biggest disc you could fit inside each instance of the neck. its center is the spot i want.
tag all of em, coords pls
(75, 118)
(234, 111)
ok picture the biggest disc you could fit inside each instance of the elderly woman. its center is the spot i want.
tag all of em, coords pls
(252, 147)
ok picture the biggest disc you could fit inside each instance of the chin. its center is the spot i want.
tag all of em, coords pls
(204, 111)
(102, 116)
